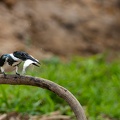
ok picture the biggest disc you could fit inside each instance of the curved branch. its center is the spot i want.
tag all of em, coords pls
(46, 84)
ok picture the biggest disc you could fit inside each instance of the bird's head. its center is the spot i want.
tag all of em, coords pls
(25, 56)
(21, 55)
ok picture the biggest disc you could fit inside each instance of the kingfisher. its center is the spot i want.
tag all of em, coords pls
(14, 59)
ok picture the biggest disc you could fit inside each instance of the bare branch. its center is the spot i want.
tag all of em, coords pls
(47, 84)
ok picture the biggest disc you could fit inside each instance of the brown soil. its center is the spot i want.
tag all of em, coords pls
(61, 27)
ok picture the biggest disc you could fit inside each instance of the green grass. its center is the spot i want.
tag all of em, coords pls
(93, 81)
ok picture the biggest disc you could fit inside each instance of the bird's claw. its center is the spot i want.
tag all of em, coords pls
(4, 74)
(17, 74)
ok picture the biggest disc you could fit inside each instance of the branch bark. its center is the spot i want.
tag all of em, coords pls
(47, 84)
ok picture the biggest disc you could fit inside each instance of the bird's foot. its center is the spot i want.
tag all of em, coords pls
(17, 74)
(4, 74)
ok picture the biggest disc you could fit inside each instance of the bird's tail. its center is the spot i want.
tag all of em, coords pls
(3, 59)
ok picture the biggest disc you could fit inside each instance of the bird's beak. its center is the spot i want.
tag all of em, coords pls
(33, 59)
(35, 64)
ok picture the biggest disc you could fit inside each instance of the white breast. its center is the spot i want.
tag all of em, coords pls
(26, 64)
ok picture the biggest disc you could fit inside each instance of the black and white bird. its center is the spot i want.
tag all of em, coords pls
(14, 59)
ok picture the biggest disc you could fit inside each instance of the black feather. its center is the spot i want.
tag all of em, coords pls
(3, 59)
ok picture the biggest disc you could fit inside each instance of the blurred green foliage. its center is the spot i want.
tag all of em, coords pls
(93, 81)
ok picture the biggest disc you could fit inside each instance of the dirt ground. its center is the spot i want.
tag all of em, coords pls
(60, 27)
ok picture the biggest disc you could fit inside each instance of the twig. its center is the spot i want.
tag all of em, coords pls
(47, 84)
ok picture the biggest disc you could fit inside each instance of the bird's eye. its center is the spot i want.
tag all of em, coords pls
(22, 54)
